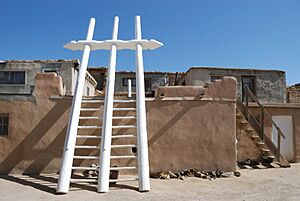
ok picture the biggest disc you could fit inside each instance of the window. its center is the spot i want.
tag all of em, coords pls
(148, 85)
(12, 77)
(3, 124)
(125, 82)
(215, 77)
(50, 70)
(247, 82)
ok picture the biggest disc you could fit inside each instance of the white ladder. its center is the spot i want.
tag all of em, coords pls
(138, 44)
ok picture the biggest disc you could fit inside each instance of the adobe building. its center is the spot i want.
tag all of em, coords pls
(17, 77)
(191, 126)
(293, 93)
(153, 79)
(269, 86)
(33, 131)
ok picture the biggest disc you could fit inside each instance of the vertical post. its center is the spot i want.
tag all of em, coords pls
(104, 169)
(262, 123)
(278, 144)
(129, 88)
(143, 161)
(69, 147)
(247, 103)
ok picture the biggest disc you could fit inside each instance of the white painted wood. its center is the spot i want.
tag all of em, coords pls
(129, 88)
(124, 101)
(120, 146)
(69, 147)
(121, 44)
(84, 168)
(142, 140)
(124, 179)
(285, 123)
(123, 109)
(123, 157)
(104, 170)
(123, 168)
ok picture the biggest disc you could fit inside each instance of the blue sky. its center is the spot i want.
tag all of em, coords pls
(263, 34)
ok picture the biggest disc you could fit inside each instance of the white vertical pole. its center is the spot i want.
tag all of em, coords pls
(69, 147)
(143, 161)
(129, 88)
(104, 169)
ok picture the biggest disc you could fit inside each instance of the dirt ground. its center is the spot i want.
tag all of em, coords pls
(254, 184)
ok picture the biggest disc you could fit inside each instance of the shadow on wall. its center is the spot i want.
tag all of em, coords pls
(39, 157)
(185, 134)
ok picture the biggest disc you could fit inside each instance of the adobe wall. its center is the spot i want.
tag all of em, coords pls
(183, 132)
(36, 129)
(193, 133)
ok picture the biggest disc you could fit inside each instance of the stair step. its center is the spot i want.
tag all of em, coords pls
(124, 101)
(125, 126)
(89, 127)
(86, 147)
(120, 157)
(84, 168)
(271, 157)
(90, 109)
(84, 180)
(86, 157)
(249, 130)
(238, 115)
(123, 179)
(123, 146)
(89, 136)
(259, 143)
(124, 109)
(123, 136)
(255, 137)
(265, 150)
(122, 168)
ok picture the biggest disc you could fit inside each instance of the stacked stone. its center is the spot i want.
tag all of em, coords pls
(182, 174)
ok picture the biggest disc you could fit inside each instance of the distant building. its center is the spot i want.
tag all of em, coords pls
(99, 74)
(17, 77)
(269, 86)
(152, 79)
(293, 93)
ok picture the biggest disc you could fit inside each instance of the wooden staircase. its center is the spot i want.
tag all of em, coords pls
(254, 127)
(267, 155)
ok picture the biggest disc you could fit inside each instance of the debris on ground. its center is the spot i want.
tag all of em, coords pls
(182, 174)
(114, 174)
(91, 173)
(237, 174)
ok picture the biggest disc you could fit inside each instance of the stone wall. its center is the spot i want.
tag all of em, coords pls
(293, 93)
(270, 85)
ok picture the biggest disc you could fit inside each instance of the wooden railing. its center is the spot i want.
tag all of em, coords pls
(259, 125)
